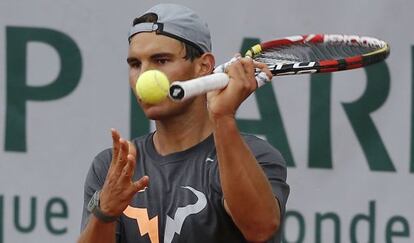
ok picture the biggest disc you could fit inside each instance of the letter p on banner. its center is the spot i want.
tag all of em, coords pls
(19, 92)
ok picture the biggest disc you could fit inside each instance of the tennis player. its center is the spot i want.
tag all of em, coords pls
(196, 178)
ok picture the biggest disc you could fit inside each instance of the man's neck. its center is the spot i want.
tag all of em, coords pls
(182, 132)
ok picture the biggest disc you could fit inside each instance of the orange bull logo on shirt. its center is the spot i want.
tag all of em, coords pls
(173, 225)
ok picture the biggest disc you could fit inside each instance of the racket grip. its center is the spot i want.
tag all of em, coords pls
(182, 90)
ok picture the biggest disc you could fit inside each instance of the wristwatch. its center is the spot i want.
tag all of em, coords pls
(93, 207)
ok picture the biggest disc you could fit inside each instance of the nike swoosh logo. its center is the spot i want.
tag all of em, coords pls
(143, 190)
(175, 225)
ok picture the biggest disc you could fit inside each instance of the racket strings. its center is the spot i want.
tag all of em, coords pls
(308, 52)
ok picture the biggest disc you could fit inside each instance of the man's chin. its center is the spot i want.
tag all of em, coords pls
(165, 110)
(155, 112)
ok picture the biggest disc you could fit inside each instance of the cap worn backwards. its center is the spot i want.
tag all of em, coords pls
(177, 22)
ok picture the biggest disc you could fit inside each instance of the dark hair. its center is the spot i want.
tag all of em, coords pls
(191, 52)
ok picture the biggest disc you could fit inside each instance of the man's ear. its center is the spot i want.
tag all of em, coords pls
(205, 64)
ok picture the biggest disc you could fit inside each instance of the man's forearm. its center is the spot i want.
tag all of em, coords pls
(247, 193)
(97, 231)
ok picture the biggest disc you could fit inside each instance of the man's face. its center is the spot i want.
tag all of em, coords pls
(149, 51)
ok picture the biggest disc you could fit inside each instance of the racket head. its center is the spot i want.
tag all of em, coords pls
(318, 53)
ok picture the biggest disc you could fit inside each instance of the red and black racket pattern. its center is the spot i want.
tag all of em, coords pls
(319, 53)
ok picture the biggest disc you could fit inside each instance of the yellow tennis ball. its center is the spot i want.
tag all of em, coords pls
(152, 87)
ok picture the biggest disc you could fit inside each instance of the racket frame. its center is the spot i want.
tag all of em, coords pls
(329, 65)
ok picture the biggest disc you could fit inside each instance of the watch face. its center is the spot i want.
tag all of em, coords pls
(93, 202)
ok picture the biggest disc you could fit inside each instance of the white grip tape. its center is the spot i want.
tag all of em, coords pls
(223, 67)
(262, 79)
(182, 90)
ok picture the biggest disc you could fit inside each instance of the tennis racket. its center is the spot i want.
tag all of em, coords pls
(314, 53)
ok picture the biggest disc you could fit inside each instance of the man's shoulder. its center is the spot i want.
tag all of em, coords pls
(260, 147)
(255, 141)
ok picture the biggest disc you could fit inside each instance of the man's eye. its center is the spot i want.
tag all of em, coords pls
(162, 61)
(135, 64)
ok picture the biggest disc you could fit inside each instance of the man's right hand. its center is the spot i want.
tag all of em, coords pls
(119, 188)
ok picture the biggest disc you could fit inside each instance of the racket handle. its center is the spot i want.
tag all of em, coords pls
(182, 90)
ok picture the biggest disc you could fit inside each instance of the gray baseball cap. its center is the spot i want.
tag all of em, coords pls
(177, 22)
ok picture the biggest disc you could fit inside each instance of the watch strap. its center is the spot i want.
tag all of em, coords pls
(102, 216)
(94, 208)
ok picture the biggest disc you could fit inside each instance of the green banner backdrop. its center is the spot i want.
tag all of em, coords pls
(347, 136)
